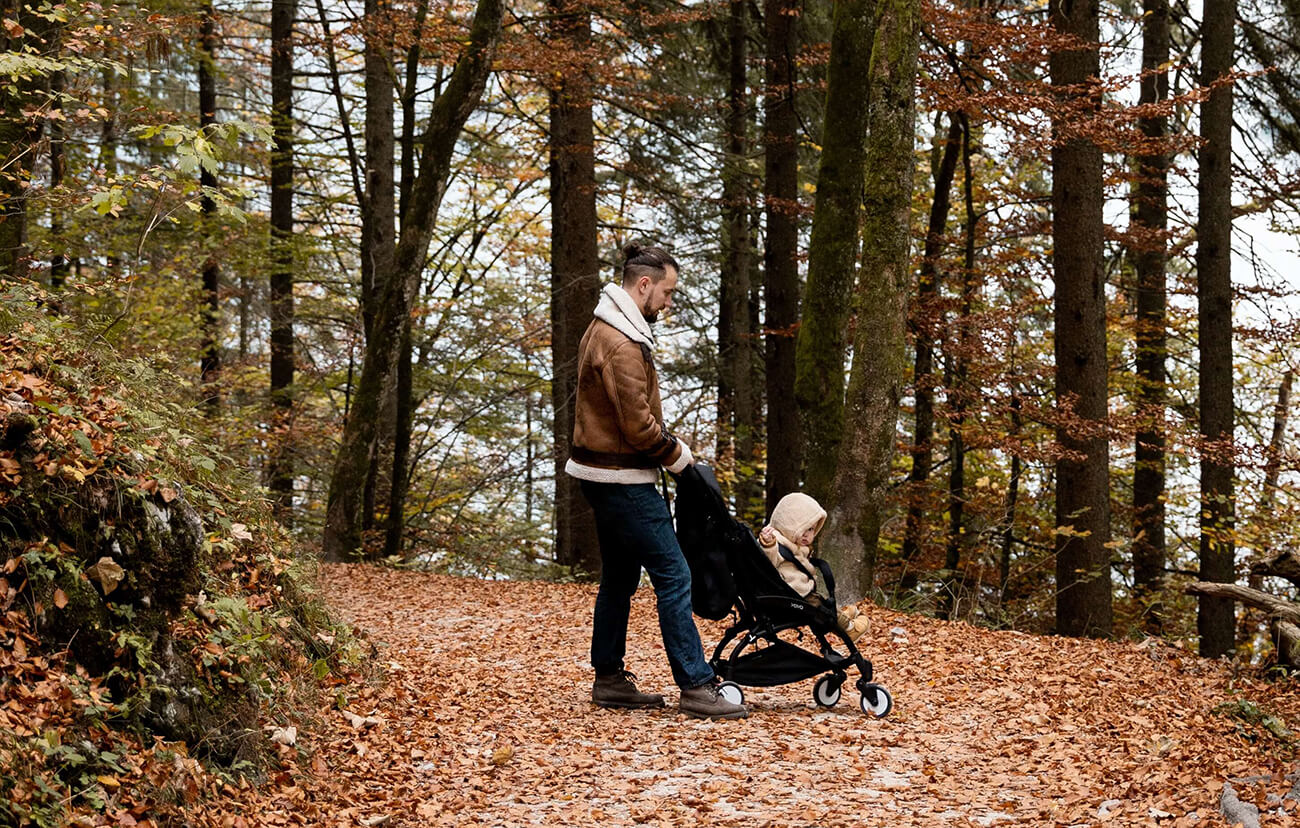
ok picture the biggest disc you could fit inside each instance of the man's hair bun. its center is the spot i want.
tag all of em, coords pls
(645, 260)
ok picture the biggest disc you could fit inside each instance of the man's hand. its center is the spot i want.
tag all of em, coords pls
(767, 536)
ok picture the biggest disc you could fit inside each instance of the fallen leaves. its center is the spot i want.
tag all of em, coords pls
(107, 572)
(485, 719)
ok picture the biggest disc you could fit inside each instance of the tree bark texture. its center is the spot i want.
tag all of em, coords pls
(108, 143)
(1083, 600)
(58, 259)
(1280, 565)
(1276, 443)
(859, 494)
(735, 338)
(1283, 615)
(1277, 608)
(404, 389)
(19, 135)
(575, 270)
(781, 253)
(459, 97)
(280, 473)
(378, 243)
(378, 223)
(210, 344)
(833, 248)
(395, 523)
(1215, 618)
(926, 324)
(1009, 514)
(409, 94)
(1150, 225)
(960, 393)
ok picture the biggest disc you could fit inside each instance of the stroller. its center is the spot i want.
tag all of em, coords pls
(732, 576)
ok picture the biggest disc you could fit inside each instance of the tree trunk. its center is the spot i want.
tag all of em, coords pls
(575, 270)
(833, 248)
(282, 352)
(108, 142)
(447, 118)
(395, 523)
(1276, 444)
(780, 255)
(1151, 222)
(410, 90)
(1281, 565)
(734, 335)
(1215, 620)
(210, 346)
(1083, 598)
(960, 393)
(404, 390)
(1009, 514)
(751, 424)
(378, 218)
(18, 137)
(859, 494)
(926, 322)
(59, 258)
(1283, 615)
(1276, 607)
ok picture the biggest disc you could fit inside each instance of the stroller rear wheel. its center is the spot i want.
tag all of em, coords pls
(731, 692)
(826, 692)
(876, 701)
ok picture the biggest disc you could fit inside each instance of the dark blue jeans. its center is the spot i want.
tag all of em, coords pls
(635, 531)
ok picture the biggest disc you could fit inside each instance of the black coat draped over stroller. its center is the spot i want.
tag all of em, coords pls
(731, 576)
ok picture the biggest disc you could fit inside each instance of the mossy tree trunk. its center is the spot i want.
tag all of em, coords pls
(833, 249)
(280, 471)
(396, 289)
(859, 493)
(210, 345)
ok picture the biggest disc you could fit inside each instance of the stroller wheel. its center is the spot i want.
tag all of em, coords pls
(731, 692)
(826, 692)
(876, 701)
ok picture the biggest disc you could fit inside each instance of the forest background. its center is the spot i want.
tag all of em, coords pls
(977, 275)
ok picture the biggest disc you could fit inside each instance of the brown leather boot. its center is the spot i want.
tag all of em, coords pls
(706, 702)
(619, 690)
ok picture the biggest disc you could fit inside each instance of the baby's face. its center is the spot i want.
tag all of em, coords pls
(806, 538)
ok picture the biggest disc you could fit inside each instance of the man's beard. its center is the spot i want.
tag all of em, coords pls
(649, 317)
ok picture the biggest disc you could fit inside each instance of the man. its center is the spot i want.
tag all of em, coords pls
(619, 443)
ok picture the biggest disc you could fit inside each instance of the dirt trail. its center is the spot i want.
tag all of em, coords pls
(486, 720)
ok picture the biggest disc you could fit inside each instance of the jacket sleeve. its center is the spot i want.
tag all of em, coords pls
(627, 383)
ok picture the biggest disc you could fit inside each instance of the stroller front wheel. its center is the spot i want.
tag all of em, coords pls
(826, 692)
(876, 701)
(731, 692)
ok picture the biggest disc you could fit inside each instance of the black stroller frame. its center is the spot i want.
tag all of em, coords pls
(765, 606)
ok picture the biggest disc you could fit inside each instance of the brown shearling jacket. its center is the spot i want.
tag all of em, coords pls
(618, 416)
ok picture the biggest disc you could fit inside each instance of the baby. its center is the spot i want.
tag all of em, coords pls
(794, 524)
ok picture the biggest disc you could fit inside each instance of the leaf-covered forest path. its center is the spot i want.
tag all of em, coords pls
(486, 720)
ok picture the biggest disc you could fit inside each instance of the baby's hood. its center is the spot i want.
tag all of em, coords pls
(795, 513)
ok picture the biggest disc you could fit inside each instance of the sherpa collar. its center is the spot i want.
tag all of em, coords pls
(617, 307)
